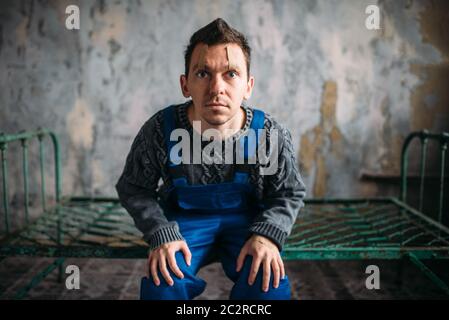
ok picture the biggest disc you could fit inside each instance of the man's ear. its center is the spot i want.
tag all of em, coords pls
(249, 88)
(184, 88)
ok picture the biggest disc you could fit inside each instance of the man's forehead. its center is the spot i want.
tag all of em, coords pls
(232, 54)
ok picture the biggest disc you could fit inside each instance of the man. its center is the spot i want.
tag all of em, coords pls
(213, 211)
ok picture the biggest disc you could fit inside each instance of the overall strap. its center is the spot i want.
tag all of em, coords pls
(258, 119)
(247, 142)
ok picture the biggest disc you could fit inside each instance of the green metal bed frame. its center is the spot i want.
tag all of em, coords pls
(340, 229)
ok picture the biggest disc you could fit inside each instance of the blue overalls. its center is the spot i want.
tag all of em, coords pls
(214, 219)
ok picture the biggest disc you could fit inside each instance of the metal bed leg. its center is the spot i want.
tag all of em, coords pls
(432, 276)
(38, 278)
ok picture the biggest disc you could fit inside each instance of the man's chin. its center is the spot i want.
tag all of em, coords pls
(216, 116)
(216, 120)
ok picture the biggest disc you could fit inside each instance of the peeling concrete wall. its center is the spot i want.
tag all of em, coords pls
(349, 95)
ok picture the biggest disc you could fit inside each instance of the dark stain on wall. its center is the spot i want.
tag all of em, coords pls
(323, 139)
(430, 100)
(391, 140)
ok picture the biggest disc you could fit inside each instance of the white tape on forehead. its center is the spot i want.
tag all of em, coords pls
(203, 53)
(231, 59)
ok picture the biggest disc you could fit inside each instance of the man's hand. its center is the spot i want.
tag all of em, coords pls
(159, 257)
(264, 252)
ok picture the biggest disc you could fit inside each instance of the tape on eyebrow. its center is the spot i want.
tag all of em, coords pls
(202, 56)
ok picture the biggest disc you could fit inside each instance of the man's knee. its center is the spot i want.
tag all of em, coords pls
(242, 290)
(184, 288)
(182, 266)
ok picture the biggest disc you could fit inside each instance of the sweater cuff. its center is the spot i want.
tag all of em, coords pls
(164, 235)
(270, 231)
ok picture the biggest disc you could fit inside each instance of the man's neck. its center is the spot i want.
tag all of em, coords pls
(226, 129)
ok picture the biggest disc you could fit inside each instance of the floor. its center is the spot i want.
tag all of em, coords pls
(310, 280)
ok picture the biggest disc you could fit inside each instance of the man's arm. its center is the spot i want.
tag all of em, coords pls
(137, 190)
(283, 196)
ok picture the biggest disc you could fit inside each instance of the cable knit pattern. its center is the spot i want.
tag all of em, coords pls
(140, 192)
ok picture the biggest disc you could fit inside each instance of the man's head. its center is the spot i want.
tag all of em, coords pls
(217, 64)
(217, 32)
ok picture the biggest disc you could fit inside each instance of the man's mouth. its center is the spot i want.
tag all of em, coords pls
(215, 104)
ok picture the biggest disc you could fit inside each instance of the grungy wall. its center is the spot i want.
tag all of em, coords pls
(349, 95)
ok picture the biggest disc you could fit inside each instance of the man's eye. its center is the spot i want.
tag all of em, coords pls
(232, 74)
(201, 74)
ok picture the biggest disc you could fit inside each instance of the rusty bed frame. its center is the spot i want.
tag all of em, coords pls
(342, 229)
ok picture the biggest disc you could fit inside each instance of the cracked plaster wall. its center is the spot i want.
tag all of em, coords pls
(349, 95)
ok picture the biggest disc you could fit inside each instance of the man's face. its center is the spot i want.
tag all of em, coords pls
(217, 91)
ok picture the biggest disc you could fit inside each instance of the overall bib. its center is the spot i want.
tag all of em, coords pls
(214, 219)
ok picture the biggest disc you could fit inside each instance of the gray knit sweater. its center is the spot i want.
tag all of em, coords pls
(144, 184)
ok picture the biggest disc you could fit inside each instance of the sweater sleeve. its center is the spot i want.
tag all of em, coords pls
(137, 190)
(283, 195)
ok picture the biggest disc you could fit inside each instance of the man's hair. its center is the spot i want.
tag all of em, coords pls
(217, 32)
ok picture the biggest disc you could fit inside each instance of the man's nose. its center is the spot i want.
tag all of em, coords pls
(216, 85)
